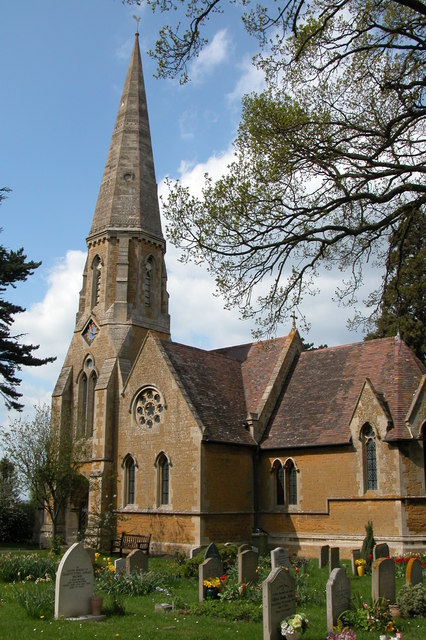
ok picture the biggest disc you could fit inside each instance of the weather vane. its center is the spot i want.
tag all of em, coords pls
(137, 20)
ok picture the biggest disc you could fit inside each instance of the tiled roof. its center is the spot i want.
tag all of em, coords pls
(214, 385)
(320, 398)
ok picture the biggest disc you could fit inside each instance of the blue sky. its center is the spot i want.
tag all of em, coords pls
(63, 66)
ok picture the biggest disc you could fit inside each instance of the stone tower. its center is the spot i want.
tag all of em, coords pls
(123, 296)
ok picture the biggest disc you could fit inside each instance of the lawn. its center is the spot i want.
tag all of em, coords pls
(189, 619)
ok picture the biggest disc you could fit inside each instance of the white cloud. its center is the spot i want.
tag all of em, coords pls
(250, 80)
(211, 56)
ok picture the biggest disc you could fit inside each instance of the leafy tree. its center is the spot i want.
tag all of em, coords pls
(9, 491)
(329, 158)
(403, 306)
(14, 268)
(47, 460)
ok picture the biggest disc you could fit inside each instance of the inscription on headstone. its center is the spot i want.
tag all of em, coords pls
(278, 601)
(280, 557)
(338, 592)
(74, 583)
(383, 579)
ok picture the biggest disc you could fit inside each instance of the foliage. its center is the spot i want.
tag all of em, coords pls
(9, 492)
(188, 567)
(329, 159)
(37, 599)
(372, 616)
(47, 460)
(16, 522)
(14, 268)
(296, 623)
(240, 609)
(412, 600)
(368, 544)
(26, 566)
(402, 561)
(346, 634)
(403, 307)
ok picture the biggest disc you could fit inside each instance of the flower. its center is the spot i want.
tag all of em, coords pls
(297, 622)
(360, 562)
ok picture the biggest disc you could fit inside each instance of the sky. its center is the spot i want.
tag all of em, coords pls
(62, 68)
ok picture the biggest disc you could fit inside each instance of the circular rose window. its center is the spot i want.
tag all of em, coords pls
(148, 408)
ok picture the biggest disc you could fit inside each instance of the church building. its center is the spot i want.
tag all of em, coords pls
(194, 446)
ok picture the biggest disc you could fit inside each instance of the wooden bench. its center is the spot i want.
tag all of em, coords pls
(130, 541)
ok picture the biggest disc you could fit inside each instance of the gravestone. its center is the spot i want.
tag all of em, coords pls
(244, 547)
(212, 552)
(92, 553)
(334, 558)
(278, 601)
(119, 566)
(355, 555)
(195, 551)
(136, 562)
(383, 579)
(381, 551)
(280, 557)
(74, 583)
(414, 573)
(248, 561)
(210, 568)
(338, 592)
(324, 553)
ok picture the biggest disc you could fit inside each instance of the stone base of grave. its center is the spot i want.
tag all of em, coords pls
(163, 606)
(88, 618)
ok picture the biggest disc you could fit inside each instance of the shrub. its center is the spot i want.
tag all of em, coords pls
(412, 600)
(26, 566)
(188, 567)
(368, 544)
(16, 523)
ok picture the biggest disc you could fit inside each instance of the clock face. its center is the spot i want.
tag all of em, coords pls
(90, 332)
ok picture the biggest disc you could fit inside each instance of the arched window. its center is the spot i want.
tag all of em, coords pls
(148, 280)
(129, 480)
(96, 280)
(279, 483)
(86, 399)
(163, 470)
(291, 476)
(369, 458)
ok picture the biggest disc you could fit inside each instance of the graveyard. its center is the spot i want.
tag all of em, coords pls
(224, 591)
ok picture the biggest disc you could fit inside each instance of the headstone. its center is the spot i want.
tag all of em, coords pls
(334, 560)
(338, 592)
(248, 561)
(74, 583)
(136, 562)
(414, 574)
(119, 566)
(280, 557)
(355, 555)
(244, 547)
(212, 552)
(383, 579)
(278, 601)
(195, 551)
(381, 551)
(210, 568)
(324, 553)
(92, 553)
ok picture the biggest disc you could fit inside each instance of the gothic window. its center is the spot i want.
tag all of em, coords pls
(369, 457)
(149, 408)
(279, 483)
(148, 280)
(96, 280)
(285, 480)
(291, 477)
(86, 399)
(129, 480)
(163, 470)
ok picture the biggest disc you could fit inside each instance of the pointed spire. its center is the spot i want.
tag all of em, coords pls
(128, 193)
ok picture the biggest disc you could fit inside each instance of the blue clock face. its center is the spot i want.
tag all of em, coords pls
(91, 331)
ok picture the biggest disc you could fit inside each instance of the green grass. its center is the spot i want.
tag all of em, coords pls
(142, 622)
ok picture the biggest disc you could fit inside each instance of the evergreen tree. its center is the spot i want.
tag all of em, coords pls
(403, 307)
(14, 267)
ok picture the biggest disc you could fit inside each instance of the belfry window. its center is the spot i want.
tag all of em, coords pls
(148, 280)
(86, 399)
(96, 280)
(370, 457)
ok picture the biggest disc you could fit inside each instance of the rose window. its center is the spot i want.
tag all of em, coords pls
(148, 408)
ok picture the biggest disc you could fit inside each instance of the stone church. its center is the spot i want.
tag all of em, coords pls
(194, 446)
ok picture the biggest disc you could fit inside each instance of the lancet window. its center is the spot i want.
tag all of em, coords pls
(86, 399)
(370, 457)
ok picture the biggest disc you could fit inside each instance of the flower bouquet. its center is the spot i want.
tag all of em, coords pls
(293, 626)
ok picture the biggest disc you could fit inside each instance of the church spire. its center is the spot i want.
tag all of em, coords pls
(128, 194)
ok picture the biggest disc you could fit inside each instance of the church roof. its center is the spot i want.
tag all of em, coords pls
(321, 395)
(128, 193)
(214, 385)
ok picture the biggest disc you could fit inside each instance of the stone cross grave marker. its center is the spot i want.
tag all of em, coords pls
(383, 579)
(212, 552)
(338, 592)
(280, 557)
(278, 601)
(414, 573)
(119, 566)
(355, 555)
(381, 551)
(74, 583)
(334, 559)
(136, 562)
(210, 568)
(324, 552)
(248, 562)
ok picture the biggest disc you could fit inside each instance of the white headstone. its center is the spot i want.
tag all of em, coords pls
(338, 592)
(280, 557)
(74, 583)
(119, 566)
(278, 601)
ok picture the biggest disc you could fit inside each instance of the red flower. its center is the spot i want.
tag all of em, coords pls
(388, 556)
(297, 569)
(222, 578)
(370, 556)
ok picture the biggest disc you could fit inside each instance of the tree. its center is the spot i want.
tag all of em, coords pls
(47, 461)
(329, 158)
(14, 268)
(9, 491)
(403, 306)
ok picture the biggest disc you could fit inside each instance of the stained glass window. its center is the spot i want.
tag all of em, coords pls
(370, 458)
(292, 484)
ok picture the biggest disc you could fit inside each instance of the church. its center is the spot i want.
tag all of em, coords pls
(194, 446)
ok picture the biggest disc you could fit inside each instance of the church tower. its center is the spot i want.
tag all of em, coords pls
(123, 296)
